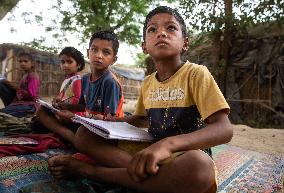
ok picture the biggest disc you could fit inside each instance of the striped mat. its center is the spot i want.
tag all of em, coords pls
(239, 170)
(246, 171)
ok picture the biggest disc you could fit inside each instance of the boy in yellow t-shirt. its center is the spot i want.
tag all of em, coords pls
(184, 110)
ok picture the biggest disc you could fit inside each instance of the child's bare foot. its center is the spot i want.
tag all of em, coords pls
(66, 166)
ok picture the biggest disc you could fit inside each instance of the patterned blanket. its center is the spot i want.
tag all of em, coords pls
(29, 174)
(239, 170)
(245, 171)
(11, 124)
(19, 171)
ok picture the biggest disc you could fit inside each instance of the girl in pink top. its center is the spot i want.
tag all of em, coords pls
(20, 101)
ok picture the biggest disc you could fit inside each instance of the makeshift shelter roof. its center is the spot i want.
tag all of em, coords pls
(132, 73)
(40, 56)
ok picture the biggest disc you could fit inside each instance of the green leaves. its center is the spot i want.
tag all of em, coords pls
(88, 16)
(207, 15)
(38, 44)
(140, 60)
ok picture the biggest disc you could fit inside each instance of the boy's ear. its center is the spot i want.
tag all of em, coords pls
(185, 44)
(114, 59)
(143, 45)
(88, 53)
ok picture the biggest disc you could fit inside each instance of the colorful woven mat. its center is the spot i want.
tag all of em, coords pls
(239, 171)
(246, 171)
(29, 174)
(19, 171)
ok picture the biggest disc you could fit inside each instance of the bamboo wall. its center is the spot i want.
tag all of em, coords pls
(46, 65)
(48, 68)
(130, 87)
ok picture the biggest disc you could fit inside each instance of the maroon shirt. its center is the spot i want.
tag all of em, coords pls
(28, 90)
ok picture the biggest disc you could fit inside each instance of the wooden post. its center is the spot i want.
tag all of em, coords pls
(227, 41)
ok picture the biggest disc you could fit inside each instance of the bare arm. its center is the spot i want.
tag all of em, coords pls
(218, 131)
(72, 107)
(146, 162)
(138, 121)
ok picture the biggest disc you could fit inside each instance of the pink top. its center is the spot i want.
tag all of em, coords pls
(28, 90)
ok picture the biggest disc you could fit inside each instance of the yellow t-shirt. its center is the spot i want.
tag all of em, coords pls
(179, 104)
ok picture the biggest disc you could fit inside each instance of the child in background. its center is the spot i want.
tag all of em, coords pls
(173, 103)
(71, 62)
(20, 101)
(101, 92)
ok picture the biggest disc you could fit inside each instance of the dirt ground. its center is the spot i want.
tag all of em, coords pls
(262, 140)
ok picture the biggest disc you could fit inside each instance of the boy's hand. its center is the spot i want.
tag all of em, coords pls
(65, 115)
(109, 117)
(59, 104)
(62, 106)
(97, 117)
(55, 101)
(145, 162)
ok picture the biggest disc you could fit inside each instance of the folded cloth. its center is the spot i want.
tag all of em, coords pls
(45, 141)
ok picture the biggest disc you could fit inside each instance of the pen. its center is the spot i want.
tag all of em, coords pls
(106, 112)
(66, 99)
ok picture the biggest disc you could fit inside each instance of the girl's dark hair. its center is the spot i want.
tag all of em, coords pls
(165, 9)
(27, 55)
(76, 55)
(106, 35)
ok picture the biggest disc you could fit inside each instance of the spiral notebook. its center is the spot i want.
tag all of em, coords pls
(47, 105)
(114, 130)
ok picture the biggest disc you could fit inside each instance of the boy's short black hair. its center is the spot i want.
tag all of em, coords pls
(27, 55)
(76, 55)
(165, 9)
(106, 35)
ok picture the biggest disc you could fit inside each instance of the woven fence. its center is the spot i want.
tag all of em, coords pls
(46, 65)
(48, 68)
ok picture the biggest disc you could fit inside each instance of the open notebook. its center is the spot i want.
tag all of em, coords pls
(47, 105)
(114, 130)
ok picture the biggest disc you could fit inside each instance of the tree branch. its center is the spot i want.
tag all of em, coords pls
(122, 21)
(109, 11)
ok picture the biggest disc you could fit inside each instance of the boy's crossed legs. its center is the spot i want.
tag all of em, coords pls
(52, 123)
(192, 171)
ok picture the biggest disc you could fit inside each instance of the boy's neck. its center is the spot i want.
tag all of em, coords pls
(96, 74)
(166, 68)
